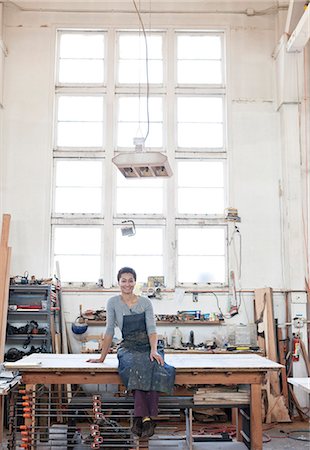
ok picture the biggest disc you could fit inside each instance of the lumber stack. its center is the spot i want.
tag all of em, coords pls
(221, 395)
(5, 258)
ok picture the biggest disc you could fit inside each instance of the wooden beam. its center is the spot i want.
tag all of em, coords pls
(301, 34)
(4, 305)
(5, 258)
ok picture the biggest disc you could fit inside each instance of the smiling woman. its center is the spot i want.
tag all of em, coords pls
(141, 358)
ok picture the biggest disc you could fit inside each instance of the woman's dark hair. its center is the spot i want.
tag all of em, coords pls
(126, 270)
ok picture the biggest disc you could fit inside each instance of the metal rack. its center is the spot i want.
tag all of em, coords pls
(33, 320)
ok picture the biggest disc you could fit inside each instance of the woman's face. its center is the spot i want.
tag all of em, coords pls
(127, 283)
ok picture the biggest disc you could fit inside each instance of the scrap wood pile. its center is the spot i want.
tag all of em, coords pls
(279, 400)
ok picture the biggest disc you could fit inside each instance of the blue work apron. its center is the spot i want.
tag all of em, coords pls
(135, 368)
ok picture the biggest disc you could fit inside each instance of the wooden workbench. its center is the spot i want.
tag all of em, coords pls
(191, 369)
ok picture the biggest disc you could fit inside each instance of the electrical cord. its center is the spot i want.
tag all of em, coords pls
(146, 70)
(299, 438)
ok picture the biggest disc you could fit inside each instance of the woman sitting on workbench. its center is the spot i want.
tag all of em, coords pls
(141, 359)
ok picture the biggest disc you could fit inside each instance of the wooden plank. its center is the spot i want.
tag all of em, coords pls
(6, 219)
(4, 304)
(266, 325)
(5, 258)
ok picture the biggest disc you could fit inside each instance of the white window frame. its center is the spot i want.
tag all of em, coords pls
(169, 90)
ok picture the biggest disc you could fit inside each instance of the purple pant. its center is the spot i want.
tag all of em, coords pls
(146, 403)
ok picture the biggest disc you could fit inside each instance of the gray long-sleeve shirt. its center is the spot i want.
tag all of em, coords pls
(116, 309)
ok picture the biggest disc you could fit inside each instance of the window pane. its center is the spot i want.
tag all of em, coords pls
(81, 57)
(201, 269)
(78, 268)
(201, 241)
(201, 187)
(146, 241)
(194, 135)
(80, 121)
(76, 71)
(77, 249)
(200, 122)
(80, 108)
(199, 47)
(79, 134)
(199, 72)
(78, 200)
(143, 252)
(127, 131)
(201, 255)
(139, 196)
(200, 174)
(79, 173)
(200, 109)
(201, 201)
(199, 59)
(77, 240)
(132, 58)
(86, 45)
(132, 121)
(135, 72)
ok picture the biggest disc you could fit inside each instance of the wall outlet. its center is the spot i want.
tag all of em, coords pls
(298, 297)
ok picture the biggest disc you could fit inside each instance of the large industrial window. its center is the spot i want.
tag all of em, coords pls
(169, 87)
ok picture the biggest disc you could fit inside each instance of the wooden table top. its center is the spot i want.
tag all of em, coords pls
(182, 363)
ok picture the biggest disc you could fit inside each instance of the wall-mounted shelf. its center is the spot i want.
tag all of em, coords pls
(167, 322)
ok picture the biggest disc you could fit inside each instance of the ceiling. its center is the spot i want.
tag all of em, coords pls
(145, 5)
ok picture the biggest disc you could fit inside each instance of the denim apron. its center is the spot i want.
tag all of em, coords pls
(135, 368)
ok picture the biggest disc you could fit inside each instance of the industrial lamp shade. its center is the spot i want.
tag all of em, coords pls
(143, 164)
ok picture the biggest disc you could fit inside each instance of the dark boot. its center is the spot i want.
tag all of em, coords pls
(148, 428)
(137, 426)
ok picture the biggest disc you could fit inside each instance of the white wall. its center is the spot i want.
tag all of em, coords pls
(254, 151)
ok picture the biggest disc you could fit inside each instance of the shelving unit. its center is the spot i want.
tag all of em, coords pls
(33, 319)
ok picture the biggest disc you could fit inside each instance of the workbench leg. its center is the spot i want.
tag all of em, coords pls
(256, 417)
(236, 420)
(189, 428)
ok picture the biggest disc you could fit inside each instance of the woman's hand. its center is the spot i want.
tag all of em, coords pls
(97, 360)
(156, 356)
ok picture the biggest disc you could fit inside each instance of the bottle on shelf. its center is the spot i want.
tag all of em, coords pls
(176, 338)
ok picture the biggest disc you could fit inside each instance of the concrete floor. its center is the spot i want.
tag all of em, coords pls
(274, 438)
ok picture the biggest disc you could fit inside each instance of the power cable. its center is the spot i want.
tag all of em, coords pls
(146, 70)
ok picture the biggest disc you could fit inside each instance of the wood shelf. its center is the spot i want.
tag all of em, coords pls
(167, 322)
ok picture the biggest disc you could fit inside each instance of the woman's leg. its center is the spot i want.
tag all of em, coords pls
(141, 404)
(152, 398)
(146, 403)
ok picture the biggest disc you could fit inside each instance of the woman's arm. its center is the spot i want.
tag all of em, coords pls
(109, 332)
(106, 344)
(153, 353)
